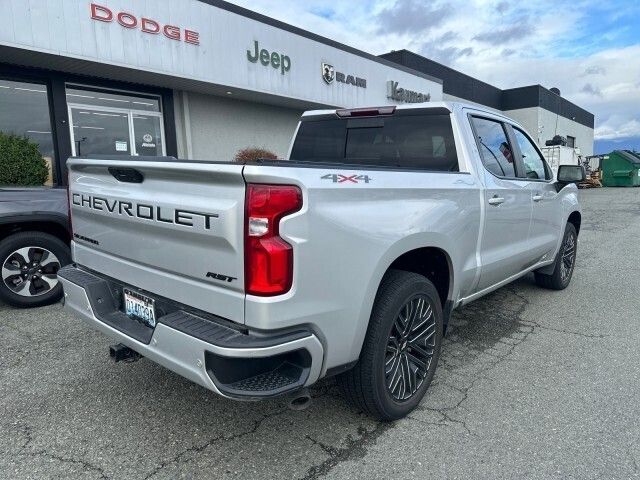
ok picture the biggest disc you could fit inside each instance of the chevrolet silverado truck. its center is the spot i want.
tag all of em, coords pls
(258, 279)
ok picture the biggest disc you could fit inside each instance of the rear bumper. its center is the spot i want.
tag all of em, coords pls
(233, 363)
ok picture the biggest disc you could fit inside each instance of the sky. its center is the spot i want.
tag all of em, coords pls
(588, 49)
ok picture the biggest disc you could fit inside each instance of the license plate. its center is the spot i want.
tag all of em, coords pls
(140, 307)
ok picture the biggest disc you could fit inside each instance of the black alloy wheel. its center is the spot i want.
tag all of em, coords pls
(410, 348)
(568, 259)
(30, 271)
(29, 264)
(401, 348)
(564, 264)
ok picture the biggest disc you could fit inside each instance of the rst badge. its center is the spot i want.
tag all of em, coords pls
(340, 178)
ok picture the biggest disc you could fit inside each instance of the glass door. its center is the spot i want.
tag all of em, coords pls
(99, 132)
(109, 123)
(147, 134)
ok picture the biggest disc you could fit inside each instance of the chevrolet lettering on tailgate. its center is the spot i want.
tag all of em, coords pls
(143, 211)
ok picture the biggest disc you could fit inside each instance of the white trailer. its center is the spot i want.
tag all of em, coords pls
(557, 155)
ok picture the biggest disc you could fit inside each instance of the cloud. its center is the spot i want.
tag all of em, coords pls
(500, 36)
(590, 89)
(627, 130)
(411, 16)
(441, 49)
(595, 70)
(324, 12)
(502, 7)
(447, 37)
(445, 55)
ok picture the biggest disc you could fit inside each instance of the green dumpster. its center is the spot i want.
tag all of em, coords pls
(621, 169)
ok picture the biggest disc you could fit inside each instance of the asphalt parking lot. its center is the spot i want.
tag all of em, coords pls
(531, 384)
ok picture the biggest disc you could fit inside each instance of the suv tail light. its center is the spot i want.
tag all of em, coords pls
(268, 259)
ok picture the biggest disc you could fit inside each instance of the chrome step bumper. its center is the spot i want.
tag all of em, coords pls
(235, 364)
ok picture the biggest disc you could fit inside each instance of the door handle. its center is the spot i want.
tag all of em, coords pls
(537, 197)
(496, 200)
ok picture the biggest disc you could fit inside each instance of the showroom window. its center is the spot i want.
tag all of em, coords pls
(27, 155)
(114, 123)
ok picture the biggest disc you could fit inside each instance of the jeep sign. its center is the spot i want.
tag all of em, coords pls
(277, 60)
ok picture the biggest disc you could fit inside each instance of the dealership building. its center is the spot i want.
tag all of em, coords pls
(206, 78)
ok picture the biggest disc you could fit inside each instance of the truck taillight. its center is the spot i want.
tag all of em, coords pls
(268, 259)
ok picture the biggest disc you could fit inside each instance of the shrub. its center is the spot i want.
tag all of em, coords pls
(21, 163)
(254, 153)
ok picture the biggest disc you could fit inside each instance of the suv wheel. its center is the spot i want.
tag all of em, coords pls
(401, 349)
(29, 268)
(564, 264)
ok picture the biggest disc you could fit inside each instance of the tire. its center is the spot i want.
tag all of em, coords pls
(37, 284)
(564, 263)
(372, 384)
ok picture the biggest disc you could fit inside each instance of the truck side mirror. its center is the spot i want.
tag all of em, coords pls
(571, 174)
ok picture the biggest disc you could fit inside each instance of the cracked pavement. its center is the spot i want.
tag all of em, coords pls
(531, 384)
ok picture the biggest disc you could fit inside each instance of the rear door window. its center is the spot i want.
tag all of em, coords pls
(421, 142)
(495, 149)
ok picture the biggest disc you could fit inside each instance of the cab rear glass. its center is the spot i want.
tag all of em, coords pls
(421, 142)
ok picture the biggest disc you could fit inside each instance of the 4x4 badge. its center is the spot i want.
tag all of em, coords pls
(340, 178)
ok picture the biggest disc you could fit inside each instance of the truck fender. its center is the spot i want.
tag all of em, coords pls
(395, 251)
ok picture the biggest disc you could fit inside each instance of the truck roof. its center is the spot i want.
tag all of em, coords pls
(451, 106)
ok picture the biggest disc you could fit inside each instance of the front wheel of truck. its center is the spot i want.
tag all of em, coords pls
(401, 349)
(564, 264)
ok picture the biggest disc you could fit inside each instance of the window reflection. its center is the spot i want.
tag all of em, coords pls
(27, 157)
(110, 123)
(113, 100)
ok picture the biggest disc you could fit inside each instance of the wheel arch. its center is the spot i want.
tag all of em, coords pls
(431, 262)
(402, 256)
(56, 225)
(575, 218)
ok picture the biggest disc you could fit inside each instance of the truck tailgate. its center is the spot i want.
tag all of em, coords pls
(172, 228)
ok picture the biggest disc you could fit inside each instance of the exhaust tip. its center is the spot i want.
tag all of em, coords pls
(300, 400)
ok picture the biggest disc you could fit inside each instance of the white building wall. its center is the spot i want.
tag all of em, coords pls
(226, 42)
(528, 118)
(566, 126)
(543, 124)
(215, 128)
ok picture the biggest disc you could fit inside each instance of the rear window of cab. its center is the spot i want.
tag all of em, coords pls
(420, 142)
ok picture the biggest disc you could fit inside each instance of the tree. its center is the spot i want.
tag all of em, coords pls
(21, 163)
(254, 153)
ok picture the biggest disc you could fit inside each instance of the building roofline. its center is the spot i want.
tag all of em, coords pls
(456, 83)
(245, 12)
(469, 88)
(539, 96)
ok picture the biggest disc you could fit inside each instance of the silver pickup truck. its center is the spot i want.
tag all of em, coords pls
(258, 279)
